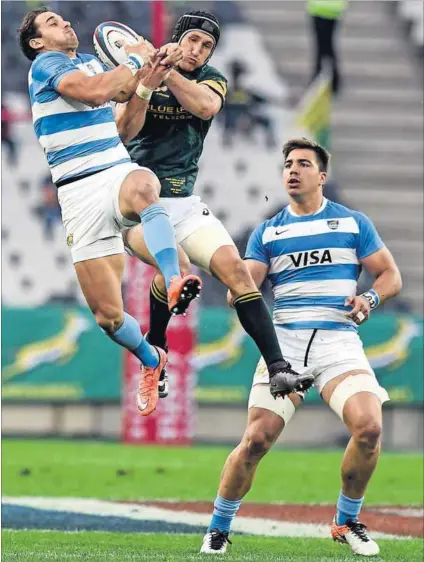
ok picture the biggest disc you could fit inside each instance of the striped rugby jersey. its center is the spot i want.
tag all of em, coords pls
(314, 263)
(77, 138)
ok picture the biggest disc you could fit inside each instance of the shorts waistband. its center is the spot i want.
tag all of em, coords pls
(61, 183)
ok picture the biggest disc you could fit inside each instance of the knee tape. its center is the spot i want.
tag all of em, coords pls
(353, 385)
(201, 245)
(260, 397)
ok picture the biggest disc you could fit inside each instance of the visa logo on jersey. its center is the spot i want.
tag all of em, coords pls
(314, 257)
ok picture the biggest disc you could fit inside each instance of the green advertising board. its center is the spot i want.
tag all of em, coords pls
(59, 354)
(226, 358)
(54, 353)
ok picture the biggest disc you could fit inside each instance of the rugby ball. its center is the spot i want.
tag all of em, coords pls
(108, 39)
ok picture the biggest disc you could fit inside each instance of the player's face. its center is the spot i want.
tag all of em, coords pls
(55, 34)
(196, 47)
(301, 175)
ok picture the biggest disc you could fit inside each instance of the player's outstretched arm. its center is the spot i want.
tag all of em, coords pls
(197, 99)
(146, 50)
(114, 85)
(96, 90)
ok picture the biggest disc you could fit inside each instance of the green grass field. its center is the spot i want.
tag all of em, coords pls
(27, 546)
(91, 469)
(112, 471)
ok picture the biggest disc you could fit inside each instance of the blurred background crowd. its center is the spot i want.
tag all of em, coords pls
(348, 74)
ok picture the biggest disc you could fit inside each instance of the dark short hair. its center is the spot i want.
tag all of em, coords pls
(28, 30)
(323, 156)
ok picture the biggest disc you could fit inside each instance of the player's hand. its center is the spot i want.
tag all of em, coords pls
(153, 75)
(360, 311)
(142, 48)
(161, 65)
(170, 55)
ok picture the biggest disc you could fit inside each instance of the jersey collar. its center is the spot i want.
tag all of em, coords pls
(323, 205)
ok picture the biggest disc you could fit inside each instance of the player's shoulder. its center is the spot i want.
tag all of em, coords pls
(337, 210)
(208, 72)
(43, 60)
(279, 219)
(282, 217)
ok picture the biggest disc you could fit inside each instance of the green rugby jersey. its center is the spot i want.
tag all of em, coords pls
(171, 140)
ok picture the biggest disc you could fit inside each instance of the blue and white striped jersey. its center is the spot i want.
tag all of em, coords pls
(77, 138)
(314, 263)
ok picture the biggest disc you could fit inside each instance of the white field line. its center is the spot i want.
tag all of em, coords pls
(253, 526)
(401, 511)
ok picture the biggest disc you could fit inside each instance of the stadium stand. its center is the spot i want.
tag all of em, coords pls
(412, 12)
(377, 132)
(34, 271)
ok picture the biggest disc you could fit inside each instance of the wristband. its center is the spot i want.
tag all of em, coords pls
(143, 92)
(134, 63)
(372, 297)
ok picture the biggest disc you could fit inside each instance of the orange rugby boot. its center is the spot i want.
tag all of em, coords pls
(181, 291)
(147, 393)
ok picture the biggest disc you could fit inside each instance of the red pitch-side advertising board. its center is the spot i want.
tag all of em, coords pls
(173, 419)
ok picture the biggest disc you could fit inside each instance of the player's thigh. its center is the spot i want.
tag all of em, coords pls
(293, 348)
(262, 430)
(268, 414)
(203, 244)
(100, 281)
(346, 379)
(139, 189)
(356, 397)
(136, 246)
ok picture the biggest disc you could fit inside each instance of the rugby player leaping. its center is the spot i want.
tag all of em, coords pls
(99, 189)
(164, 126)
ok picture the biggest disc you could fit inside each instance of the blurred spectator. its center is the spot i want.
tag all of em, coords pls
(326, 15)
(49, 209)
(243, 110)
(7, 138)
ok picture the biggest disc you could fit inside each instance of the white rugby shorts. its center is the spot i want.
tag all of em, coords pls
(326, 354)
(198, 231)
(91, 216)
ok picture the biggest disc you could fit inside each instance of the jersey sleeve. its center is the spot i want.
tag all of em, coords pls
(369, 239)
(256, 249)
(49, 68)
(215, 81)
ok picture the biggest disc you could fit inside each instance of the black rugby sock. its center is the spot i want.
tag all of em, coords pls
(159, 316)
(256, 320)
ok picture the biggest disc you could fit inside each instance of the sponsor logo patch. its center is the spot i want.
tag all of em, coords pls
(333, 224)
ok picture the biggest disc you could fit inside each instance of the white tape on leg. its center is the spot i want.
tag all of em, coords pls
(260, 397)
(353, 385)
